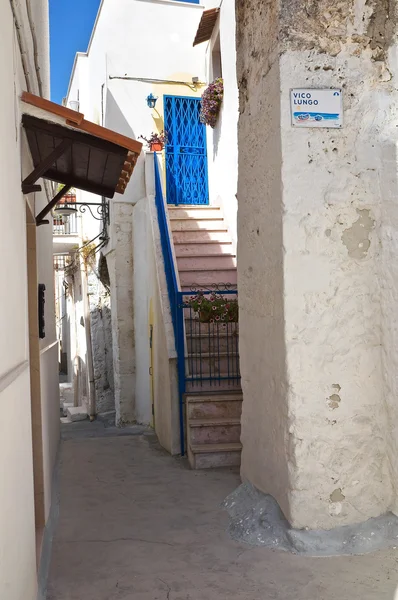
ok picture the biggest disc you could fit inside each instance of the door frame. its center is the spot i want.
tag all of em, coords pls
(206, 166)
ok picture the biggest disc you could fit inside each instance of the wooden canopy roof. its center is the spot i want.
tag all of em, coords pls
(206, 25)
(70, 150)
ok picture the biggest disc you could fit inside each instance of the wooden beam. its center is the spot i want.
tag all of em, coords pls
(46, 163)
(62, 132)
(111, 136)
(40, 217)
(29, 189)
(81, 184)
(62, 111)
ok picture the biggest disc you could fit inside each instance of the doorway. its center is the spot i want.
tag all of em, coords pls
(186, 152)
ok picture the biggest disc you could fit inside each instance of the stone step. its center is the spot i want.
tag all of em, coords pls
(217, 224)
(202, 263)
(213, 248)
(210, 456)
(202, 406)
(201, 237)
(215, 363)
(224, 430)
(65, 406)
(205, 343)
(76, 413)
(195, 214)
(195, 278)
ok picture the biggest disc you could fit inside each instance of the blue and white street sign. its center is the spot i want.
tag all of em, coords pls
(316, 108)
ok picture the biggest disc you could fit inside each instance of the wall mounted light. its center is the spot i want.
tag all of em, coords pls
(151, 100)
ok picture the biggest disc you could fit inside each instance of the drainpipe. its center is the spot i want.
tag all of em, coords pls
(87, 327)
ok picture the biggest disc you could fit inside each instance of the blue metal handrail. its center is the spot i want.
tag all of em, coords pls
(173, 292)
(182, 314)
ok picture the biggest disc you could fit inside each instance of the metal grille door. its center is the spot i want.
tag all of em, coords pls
(186, 153)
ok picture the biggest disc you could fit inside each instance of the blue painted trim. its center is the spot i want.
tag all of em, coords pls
(171, 277)
(186, 152)
(174, 297)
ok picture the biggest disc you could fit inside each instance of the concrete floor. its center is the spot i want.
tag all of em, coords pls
(136, 524)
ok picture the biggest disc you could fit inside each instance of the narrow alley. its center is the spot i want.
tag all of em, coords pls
(136, 524)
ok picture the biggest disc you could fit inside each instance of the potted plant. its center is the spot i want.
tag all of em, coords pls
(156, 141)
(211, 102)
(215, 308)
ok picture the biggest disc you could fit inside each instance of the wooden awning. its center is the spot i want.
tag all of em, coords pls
(206, 25)
(70, 150)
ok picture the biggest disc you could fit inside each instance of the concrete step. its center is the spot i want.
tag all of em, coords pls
(195, 213)
(216, 224)
(195, 263)
(76, 413)
(194, 278)
(210, 456)
(224, 386)
(202, 406)
(65, 406)
(224, 430)
(201, 237)
(204, 249)
(197, 344)
(214, 363)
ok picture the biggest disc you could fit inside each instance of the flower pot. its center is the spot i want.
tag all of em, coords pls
(156, 147)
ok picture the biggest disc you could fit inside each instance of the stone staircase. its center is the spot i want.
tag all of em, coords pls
(206, 258)
(203, 246)
(213, 429)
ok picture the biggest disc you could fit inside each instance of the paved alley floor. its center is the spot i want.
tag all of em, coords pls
(136, 524)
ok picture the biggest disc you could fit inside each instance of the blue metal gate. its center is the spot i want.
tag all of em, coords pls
(186, 152)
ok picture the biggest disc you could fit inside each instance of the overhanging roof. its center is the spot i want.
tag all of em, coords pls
(206, 25)
(68, 149)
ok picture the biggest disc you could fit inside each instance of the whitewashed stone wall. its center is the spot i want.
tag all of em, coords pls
(317, 230)
(101, 339)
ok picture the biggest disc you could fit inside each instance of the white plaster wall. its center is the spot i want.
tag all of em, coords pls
(17, 517)
(222, 141)
(316, 227)
(119, 46)
(332, 298)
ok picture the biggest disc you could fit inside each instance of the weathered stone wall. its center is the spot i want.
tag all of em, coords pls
(317, 322)
(120, 266)
(101, 339)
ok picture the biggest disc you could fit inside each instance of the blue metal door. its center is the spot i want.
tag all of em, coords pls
(186, 152)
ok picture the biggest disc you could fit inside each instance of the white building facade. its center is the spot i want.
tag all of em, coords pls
(29, 395)
(111, 82)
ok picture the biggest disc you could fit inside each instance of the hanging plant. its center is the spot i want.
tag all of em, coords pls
(215, 308)
(211, 102)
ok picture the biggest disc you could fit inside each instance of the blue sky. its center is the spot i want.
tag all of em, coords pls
(71, 23)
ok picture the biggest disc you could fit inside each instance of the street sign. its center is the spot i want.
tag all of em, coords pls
(316, 108)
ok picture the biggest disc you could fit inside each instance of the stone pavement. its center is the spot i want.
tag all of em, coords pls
(137, 524)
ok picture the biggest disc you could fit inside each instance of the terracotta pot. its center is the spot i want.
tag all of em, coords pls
(156, 147)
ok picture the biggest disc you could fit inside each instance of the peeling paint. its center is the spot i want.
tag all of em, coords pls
(337, 495)
(356, 238)
(333, 401)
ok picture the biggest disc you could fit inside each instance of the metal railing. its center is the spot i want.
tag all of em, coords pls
(65, 225)
(207, 352)
(212, 344)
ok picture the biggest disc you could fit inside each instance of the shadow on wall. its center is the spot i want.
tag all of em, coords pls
(217, 134)
(115, 119)
(102, 344)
